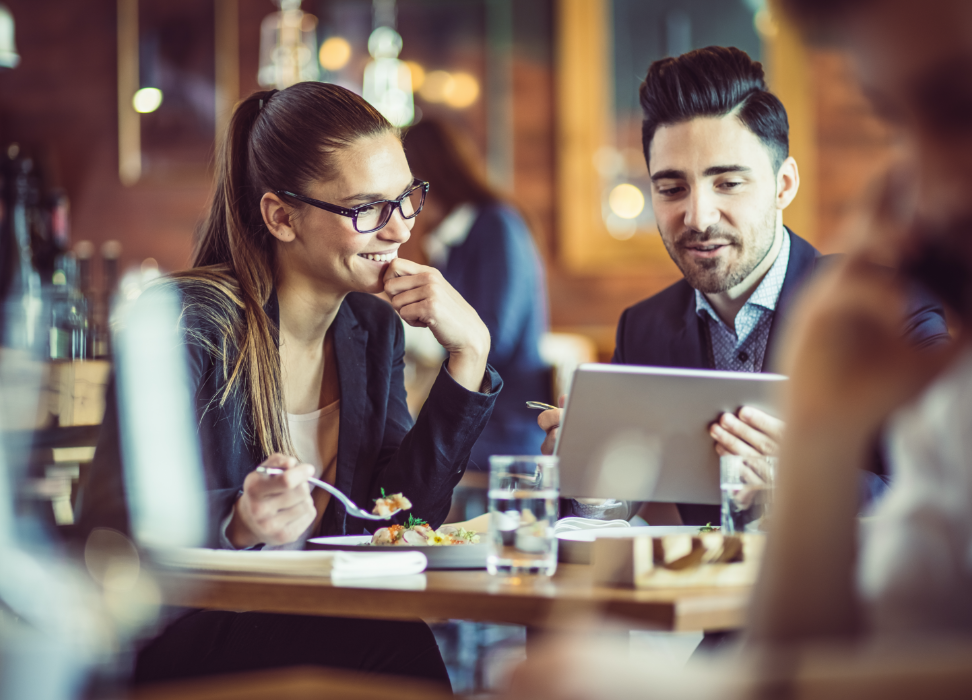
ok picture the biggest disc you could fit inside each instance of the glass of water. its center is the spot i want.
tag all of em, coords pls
(747, 491)
(523, 495)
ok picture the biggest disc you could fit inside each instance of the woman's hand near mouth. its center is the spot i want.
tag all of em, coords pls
(423, 298)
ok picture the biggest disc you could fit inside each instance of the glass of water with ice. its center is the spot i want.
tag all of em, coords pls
(523, 495)
(747, 491)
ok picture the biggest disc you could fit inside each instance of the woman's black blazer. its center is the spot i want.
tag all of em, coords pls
(379, 447)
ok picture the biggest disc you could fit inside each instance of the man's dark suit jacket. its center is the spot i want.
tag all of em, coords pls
(378, 445)
(665, 331)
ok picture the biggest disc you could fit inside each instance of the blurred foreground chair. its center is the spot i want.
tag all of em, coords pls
(294, 684)
(58, 439)
(941, 670)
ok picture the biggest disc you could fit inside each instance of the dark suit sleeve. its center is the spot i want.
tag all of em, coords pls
(426, 460)
(618, 357)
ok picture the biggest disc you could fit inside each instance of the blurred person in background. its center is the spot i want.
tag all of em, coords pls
(295, 364)
(484, 249)
(850, 372)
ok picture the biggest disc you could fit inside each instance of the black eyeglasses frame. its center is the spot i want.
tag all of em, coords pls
(352, 213)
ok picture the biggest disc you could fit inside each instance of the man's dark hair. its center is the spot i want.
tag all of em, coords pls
(713, 82)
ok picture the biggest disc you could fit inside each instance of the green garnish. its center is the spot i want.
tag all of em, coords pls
(412, 521)
(382, 495)
(708, 527)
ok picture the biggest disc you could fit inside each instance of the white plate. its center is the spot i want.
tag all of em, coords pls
(456, 556)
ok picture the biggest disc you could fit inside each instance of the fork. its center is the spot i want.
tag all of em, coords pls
(351, 507)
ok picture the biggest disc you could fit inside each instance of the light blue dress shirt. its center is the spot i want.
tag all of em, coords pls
(744, 349)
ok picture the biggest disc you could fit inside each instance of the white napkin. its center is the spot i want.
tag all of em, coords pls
(572, 524)
(285, 563)
(349, 565)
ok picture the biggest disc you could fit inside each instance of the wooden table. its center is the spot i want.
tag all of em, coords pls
(568, 599)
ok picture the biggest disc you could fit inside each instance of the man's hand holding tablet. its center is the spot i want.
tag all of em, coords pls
(748, 432)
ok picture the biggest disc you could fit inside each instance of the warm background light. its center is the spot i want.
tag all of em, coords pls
(463, 92)
(458, 90)
(335, 53)
(147, 100)
(626, 201)
(418, 75)
(437, 85)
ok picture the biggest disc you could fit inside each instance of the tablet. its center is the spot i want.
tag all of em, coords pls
(642, 433)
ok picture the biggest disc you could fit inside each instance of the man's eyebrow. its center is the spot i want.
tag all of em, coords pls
(708, 172)
(723, 169)
(668, 175)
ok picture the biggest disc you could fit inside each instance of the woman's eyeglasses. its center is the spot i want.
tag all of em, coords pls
(371, 217)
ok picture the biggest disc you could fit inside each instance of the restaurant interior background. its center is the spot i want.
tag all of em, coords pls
(118, 103)
(547, 88)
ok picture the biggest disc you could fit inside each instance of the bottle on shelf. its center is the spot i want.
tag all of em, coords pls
(69, 313)
(110, 253)
(23, 243)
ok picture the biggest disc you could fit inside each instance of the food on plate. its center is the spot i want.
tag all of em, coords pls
(417, 532)
(386, 505)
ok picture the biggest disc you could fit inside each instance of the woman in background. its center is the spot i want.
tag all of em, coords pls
(484, 249)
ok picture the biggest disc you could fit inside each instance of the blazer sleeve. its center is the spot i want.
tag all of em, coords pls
(925, 324)
(618, 357)
(426, 460)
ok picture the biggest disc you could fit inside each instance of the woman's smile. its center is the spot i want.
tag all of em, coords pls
(380, 257)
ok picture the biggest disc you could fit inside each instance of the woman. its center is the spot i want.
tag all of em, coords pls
(295, 364)
(485, 251)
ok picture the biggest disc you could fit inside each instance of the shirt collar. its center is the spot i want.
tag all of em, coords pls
(767, 294)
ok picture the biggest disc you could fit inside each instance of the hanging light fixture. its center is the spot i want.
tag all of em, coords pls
(288, 46)
(9, 58)
(387, 80)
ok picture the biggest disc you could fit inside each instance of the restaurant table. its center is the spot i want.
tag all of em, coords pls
(568, 599)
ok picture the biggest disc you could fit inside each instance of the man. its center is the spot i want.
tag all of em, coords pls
(717, 149)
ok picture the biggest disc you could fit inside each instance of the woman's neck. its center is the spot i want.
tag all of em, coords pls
(305, 313)
(307, 363)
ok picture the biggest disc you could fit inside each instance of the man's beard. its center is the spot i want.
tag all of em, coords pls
(715, 275)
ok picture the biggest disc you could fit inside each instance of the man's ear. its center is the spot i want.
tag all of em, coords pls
(277, 217)
(787, 183)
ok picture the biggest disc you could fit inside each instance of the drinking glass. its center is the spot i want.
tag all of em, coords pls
(523, 494)
(747, 491)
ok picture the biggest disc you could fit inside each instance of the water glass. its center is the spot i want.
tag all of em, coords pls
(747, 492)
(523, 494)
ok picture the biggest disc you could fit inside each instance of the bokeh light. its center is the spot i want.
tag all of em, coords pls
(463, 92)
(147, 100)
(418, 74)
(619, 228)
(626, 201)
(334, 53)
(437, 85)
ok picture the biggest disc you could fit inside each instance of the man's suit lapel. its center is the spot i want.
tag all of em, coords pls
(690, 346)
(350, 345)
(803, 258)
